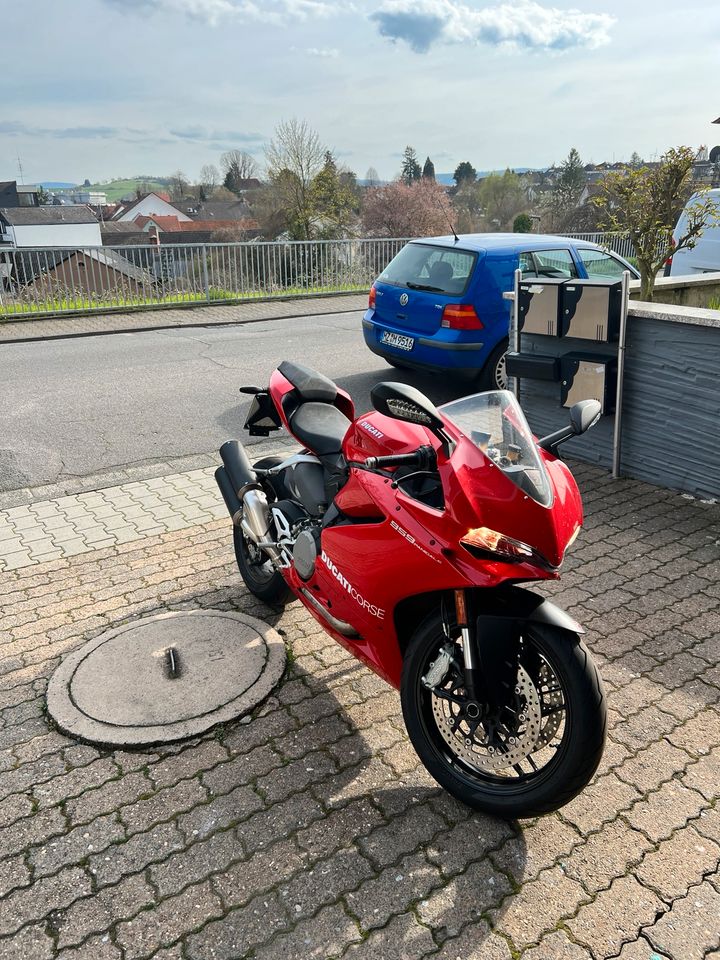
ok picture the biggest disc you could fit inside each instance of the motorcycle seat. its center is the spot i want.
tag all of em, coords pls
(309, 384)
(320, 426)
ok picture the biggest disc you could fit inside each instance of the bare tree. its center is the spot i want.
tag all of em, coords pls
(372, 177)
(294, 157)
(238, 166)
(209, 179)
(179, 184)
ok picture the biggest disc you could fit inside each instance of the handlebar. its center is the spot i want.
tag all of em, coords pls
(424, 457)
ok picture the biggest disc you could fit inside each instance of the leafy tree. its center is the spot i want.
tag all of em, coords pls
(647, 203)
(464, 172)
(418, 209)
(522, 223)
(42, 195)
(410, 167)
(569, 181)
(332, 202)
(468, 207)
(294, 158)
(237, 166)
(428, 170)
(502, 195)
(636, 160)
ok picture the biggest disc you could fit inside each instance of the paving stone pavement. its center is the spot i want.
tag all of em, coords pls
(311, 831)
(193, 315)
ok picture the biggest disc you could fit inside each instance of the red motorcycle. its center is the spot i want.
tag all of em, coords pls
(406, 533)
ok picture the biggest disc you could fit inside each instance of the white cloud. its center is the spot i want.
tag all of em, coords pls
(215, 11)
(324, 52)
(527, 25)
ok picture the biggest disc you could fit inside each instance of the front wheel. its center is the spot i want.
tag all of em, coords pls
(529, 754)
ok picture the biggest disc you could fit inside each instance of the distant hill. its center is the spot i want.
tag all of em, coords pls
(117, 189)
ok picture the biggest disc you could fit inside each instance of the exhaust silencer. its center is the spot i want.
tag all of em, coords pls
(227, 490)
(237, 467)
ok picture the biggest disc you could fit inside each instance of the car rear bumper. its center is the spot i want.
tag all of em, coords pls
(429, 353)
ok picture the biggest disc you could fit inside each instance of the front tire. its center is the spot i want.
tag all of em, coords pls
(553, 730)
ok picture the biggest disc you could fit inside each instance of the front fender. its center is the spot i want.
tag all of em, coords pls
(518, 604)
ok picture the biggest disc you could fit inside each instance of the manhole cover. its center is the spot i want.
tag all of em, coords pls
(165, 678)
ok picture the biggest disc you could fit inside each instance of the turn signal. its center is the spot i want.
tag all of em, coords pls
(483, 538)
(461, 316)
(372, 297)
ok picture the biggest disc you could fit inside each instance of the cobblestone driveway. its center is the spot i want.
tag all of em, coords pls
(310, 831)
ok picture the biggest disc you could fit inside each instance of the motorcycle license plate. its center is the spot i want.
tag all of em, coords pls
(397, 340)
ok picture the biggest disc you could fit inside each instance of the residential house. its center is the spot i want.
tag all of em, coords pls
(215, 209)
(148, 205)
(14, 194)
(49, 226)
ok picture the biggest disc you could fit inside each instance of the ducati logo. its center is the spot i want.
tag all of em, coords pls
(358, 598)
(404, 299)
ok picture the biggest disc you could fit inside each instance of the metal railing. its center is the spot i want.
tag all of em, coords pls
(617, 242)
(36, 281)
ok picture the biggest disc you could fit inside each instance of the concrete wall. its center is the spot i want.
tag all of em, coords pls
(693, 291)
(671, 406)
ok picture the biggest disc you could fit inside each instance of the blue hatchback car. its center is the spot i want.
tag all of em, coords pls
(439, 305)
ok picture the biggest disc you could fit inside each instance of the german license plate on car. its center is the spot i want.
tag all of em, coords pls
(397, 340)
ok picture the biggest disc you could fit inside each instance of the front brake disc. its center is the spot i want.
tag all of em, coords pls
(484, 754)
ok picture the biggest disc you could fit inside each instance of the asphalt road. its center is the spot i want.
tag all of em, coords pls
(75, 407)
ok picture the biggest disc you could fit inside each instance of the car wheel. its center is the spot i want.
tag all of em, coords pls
(494, 373)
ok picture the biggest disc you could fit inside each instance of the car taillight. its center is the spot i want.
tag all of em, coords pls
(461, 316)
(371, 298)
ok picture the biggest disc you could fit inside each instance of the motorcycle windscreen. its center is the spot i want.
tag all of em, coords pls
(494, 422)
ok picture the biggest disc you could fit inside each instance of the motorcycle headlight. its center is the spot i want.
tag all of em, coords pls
(491, 541)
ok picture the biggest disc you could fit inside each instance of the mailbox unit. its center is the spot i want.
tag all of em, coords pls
(585, 376)
(590, 310)
(539, 306)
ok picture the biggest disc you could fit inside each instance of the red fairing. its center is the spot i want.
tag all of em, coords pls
(390, 546)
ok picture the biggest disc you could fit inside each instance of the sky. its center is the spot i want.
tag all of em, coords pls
(100, 89)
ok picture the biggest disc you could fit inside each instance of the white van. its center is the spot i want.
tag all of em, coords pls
(704, 257)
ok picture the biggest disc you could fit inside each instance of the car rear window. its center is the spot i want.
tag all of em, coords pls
(428, 267)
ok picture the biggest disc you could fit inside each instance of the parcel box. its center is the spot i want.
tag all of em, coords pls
(532, 366)
(539, 305)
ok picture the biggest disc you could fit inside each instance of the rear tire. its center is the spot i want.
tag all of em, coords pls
(503, 790)
(493, 375)
(261, 578)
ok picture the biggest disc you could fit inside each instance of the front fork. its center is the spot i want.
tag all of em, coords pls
(473, 677)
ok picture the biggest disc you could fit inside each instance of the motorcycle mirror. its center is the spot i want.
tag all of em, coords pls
(403, 402)
(584, 415)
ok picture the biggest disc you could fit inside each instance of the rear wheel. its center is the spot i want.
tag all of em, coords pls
(531, 753)
(494, 375)
(260, 576)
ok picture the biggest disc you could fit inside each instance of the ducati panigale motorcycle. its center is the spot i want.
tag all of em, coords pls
(407, 533)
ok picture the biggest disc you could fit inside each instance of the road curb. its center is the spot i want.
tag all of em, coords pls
(171, 325)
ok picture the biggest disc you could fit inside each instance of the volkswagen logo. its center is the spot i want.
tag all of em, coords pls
(403, 299)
